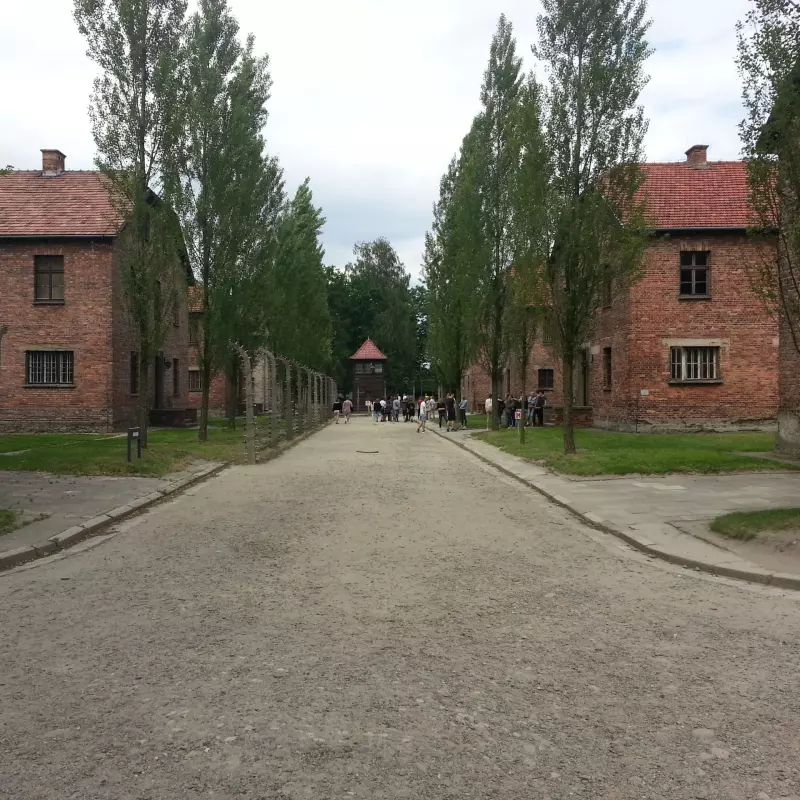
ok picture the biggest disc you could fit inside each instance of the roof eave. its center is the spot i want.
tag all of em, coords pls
(701, 229)
(18, 236)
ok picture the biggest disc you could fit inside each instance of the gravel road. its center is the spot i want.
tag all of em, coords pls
(399, 624)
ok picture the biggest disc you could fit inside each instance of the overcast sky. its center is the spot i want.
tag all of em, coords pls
(372, 98)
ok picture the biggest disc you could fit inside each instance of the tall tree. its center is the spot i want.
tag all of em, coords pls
(135, 111)
(594, 53)
(300, 319)
(227, 89)
(495, 161)
(529, 224)
(451, 270)
(769, 63)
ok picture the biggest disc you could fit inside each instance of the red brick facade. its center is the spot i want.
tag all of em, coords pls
(84, 328)
(706, 359)
(642, 328)
(789, 415)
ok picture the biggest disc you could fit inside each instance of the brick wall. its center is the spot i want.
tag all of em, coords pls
(218, 391)
(82, 324)
(176, 346)
(789, 415)
(733, 319)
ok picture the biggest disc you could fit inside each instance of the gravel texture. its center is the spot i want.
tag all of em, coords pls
(400, 624)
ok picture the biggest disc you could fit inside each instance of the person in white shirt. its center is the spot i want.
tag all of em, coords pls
(347, 409)
(423, 415)
(488, 407)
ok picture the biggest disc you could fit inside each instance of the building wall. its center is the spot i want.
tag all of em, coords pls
(367, 386)
(218, 391)
(733, 319)
(176, 346)
(789, 414)
(83, 324)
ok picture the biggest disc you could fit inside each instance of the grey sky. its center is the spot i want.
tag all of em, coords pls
(371, 98)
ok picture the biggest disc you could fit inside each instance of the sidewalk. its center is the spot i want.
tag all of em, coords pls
(649, 512)
(69, 507)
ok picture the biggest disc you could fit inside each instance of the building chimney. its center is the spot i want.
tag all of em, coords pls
(696, 155)
(52, 162)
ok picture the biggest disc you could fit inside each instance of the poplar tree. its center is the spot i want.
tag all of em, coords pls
(493, 159)
(135, 112)
(227, 182)
(593, 52)
(769, 64)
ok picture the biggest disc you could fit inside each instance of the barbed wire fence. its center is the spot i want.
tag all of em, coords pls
(283, 400)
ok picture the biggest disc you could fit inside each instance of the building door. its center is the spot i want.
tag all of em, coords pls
(158, 393)
(584, 398)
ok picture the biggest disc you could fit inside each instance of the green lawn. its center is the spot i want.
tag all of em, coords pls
(747, 524)
(607, 453)
(104, 454)
(8, 520)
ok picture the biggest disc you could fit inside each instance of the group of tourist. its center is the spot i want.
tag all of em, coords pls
(530, 408)
(451, 412)
(445, 408)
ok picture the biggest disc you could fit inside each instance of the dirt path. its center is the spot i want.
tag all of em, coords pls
(404, 624)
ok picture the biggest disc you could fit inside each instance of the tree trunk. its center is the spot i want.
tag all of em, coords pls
(568, 379)
(206, 379)
(497, 382)
(523, 374)
(143, 404)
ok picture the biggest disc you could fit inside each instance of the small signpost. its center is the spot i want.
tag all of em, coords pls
(518, 415)
(134, 434)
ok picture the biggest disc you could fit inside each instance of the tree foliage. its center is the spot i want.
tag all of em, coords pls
(594, 53)
(135, 113)
(769, 64)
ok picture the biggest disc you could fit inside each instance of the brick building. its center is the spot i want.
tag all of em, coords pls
(369, 376)
(218, 392)
(67, 358)
(689, 346)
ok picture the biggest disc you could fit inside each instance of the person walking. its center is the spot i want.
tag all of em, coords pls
(396, 408)
(423, 415)
(450, 402)
(441, 410)
(337, 410)
(462, 412)
(347, 410)
(487, 407)
(539, 403)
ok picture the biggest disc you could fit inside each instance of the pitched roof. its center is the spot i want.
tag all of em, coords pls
(74, 203)
(680, 195)
(368, 351)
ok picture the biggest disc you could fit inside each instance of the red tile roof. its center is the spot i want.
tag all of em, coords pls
(74, 203)
(715, 195)
(368, 351)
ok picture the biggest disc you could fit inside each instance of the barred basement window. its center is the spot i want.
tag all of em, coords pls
(49, 367)
(546, 379)
(694, 363)
(195, 380)
(694, 274)
(49, 279)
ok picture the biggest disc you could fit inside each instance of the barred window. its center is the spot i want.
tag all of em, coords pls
(195, 380)
(176, 377)
(546, 379)
(694, 363)
(608, 369)
(49, 279)
(49, 367)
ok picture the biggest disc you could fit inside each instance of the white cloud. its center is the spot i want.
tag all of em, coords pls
(371, 99)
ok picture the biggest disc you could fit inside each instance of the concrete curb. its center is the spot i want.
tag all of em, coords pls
(77, 533)
(765, 577)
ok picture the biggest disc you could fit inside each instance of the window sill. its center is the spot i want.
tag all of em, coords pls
(608, 388)
(708, 382)
(49, 302)
(694, 297)
(195, 391)
(48, 385)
